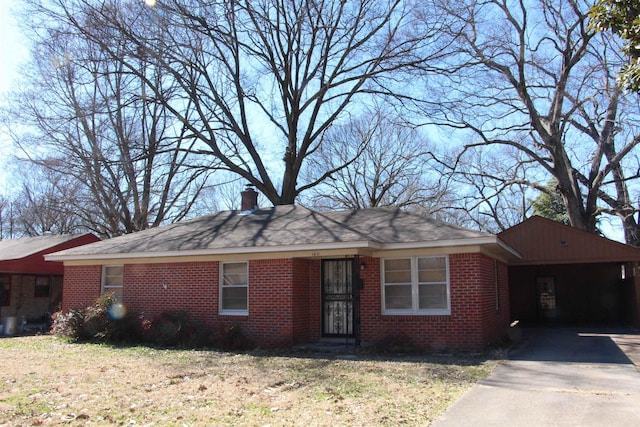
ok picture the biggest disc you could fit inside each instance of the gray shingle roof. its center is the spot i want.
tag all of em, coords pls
(287, 226)
(389, 225)
(12, 249)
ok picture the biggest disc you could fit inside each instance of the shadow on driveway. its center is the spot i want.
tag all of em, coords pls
(575, 345)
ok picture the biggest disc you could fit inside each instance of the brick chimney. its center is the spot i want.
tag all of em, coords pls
(249, 199)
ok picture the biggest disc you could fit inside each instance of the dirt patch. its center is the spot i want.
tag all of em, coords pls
(47, 381)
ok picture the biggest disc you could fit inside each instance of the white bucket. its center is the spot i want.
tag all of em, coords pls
(10, 326)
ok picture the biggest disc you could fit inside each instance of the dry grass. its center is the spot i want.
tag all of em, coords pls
(48, 381)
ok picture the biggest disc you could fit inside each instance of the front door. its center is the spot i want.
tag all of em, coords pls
(337, 298)
(546, 295)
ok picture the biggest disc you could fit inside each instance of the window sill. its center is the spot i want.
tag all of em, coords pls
(233, 313)
(416, 313)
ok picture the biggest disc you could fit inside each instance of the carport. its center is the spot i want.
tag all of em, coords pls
(571, 276)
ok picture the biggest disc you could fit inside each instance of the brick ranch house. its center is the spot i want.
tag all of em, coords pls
(288, 275)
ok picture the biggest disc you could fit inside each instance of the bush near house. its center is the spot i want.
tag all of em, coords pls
(92, 323)
(106, 322)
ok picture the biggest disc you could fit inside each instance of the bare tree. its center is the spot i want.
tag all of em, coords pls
(387, 164)
(267, 79)
(223, 193)
(46, 203)
(531, 76)
(491, 191)
(6, 218)
(83, 106)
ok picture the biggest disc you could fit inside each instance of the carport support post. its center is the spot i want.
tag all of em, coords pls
(635, 321)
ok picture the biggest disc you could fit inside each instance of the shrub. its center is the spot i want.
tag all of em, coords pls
(126, 330)
(68, 324)
(94, 323)
(395, 344)
(231, 338)
(169, 330)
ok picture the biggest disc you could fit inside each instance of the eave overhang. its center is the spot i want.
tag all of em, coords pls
(489, 244)
(215, 252)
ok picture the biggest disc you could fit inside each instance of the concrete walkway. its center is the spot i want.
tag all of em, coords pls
(558, 377)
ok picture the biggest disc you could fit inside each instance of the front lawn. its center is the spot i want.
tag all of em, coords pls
(48, 381)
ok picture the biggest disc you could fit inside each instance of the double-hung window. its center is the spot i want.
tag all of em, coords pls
(234, 288)
(112, 276)
(416, 285)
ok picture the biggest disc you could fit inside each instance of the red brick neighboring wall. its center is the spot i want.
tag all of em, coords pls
(474, 321)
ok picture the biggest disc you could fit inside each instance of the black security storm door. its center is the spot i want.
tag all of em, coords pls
(337, 298)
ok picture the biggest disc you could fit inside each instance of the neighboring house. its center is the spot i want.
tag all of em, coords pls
(571, 276)
(31, 287)
(288, 275)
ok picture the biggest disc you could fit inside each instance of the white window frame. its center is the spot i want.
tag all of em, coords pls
(221, 287)
(105, 289)
(414, 310)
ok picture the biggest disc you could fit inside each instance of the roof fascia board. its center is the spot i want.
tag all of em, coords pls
(312, 249)
(323, 250)
(427, 251)
(573, 261)
(476, 241)
(334, 253)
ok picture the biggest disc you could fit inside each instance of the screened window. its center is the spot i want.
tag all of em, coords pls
(112, 280)
(234, 288)
(417, 285)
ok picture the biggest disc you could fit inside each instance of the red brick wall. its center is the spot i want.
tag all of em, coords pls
(300, 300)
(192, 287)
(473, 323)
(82, 285)
(270, 318)
(495, 299)
(285, 300)
(315, 300)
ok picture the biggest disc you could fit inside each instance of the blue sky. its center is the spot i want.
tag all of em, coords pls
(13, 51)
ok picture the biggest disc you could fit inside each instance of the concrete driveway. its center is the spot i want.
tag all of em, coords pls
(558, 377)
